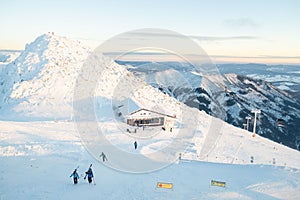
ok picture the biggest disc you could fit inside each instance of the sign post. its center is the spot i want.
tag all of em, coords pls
(164, 185)
(218, 183)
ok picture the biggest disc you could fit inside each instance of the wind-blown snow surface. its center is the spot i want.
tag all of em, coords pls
(37, 157)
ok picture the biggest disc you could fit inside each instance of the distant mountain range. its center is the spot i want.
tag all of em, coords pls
(285, 77)
(234, 93)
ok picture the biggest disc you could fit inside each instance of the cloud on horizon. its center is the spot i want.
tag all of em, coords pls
(240, 23)
(197, 37)
(212, 38)
(132, 54)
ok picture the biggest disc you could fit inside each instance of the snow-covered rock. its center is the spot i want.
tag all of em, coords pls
(39, 83)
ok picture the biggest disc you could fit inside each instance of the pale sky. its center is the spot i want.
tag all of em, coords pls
(228, 30)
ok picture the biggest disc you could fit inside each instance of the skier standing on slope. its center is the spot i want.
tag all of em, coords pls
(135, 144)
(89, 174)
(75, 176)
(103, 157)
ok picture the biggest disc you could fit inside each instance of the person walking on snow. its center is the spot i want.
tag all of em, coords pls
(75, 176)
(103, 157)
(89, 174)
(135, 145)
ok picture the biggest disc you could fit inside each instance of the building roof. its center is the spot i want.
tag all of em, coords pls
(152, 112)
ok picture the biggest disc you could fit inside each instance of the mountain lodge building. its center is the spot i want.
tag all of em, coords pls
(145, 117)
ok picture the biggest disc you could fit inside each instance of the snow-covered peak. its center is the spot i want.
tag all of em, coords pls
(41, 80)
(40, 83)
(49, 50)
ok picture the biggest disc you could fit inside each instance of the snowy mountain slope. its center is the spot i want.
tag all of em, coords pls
(7, 56)
(147, 97)
(285, 77)
(229, 97)
(243, 94)
(39, 83)
(37, 159)
(43, 88)
(48, 151)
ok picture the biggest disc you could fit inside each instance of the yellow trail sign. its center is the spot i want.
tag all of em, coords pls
(165, 185)
(218, 183)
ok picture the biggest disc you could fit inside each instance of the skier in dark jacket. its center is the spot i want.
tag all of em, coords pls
(135, 145)
(89, 174)
(75, 176)
(103, 157)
